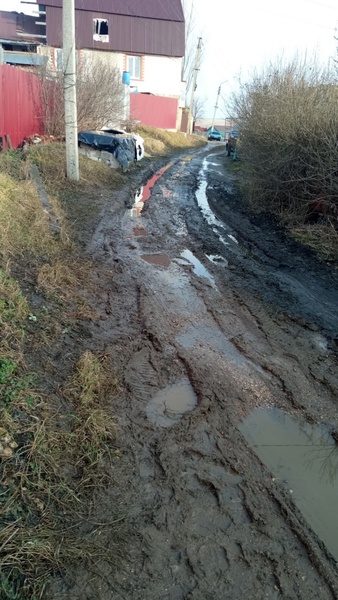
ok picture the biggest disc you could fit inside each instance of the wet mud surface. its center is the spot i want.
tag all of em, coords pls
(211, 313)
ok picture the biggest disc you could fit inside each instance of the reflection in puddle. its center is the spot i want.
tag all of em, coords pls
(143, 193)
(217, 260)
(202, 201)
(305, 458)
(198, 268)
(320, 342)
(170, 404)
(161, 260)
(232, 237)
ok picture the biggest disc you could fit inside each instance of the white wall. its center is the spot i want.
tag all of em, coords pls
(112, 58)
(162, 76)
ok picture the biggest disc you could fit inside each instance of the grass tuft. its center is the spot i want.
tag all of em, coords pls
(57, 279)
(51, 461)
(321, 238)
(51, 160)
(160, 141)
(24, 225)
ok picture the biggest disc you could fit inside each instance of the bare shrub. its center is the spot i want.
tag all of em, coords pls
(100, 96)
(288, 118)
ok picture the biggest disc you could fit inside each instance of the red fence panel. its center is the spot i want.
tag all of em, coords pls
(155, 111)
(20, 104)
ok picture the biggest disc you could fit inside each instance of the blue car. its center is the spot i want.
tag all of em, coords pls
(215, 135)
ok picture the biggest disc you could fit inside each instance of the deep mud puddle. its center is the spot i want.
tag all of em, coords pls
(197, 266)
(160, 260)
(171, 403)
(305, 459)
(144, 192)
(216, 259)
(219, 227)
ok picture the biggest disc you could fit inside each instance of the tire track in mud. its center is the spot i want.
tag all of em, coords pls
(207, 521)
(254, 516)
(300, 529)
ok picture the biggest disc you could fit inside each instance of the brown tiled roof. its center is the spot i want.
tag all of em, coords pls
(164, 10)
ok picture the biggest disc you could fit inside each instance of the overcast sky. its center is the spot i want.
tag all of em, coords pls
(246, 34)
(241, 34)
(16, 5)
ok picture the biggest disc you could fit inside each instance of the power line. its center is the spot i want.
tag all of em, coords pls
(322, 4)
(293, 18)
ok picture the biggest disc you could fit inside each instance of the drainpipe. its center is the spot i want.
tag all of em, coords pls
(126, 83)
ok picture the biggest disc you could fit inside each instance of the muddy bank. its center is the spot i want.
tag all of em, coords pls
(208, 316)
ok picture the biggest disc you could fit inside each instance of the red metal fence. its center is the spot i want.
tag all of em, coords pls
(20, 104)
(155, 111)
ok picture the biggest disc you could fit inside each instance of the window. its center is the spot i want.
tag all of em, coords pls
(101, 30)
(134, 66)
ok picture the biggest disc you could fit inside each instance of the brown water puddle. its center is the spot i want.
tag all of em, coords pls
(161, 260)
(139, 231)
(171, 403)
(305, 459)
(143, 193)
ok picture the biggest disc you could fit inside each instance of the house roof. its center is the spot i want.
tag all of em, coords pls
(131, 32)
(166, 10)
(18, 26)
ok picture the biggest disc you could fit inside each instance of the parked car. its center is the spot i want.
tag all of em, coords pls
(215, 135)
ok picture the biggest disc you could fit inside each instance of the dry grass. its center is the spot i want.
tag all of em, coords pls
(160, 141)
(288, 118)
(51, 461)
(51, 160)
(154, 147)
(321, 238)
(24, 225)
(94, 429)
(13, 305)
(12, 164)
(58, 279)
(14, 311)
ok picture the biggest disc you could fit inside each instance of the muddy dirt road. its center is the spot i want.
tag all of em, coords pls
(226, 333)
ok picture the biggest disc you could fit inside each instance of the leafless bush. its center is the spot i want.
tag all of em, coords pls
(289, 138)
(100, 97)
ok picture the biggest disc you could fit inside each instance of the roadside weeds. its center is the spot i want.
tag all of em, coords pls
(321, 236)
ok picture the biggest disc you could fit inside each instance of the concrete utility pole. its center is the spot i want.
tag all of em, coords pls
(193, 89)
(216, 105)
(69, 61)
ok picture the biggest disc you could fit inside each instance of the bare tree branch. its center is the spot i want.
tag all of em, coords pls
(100, 96)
